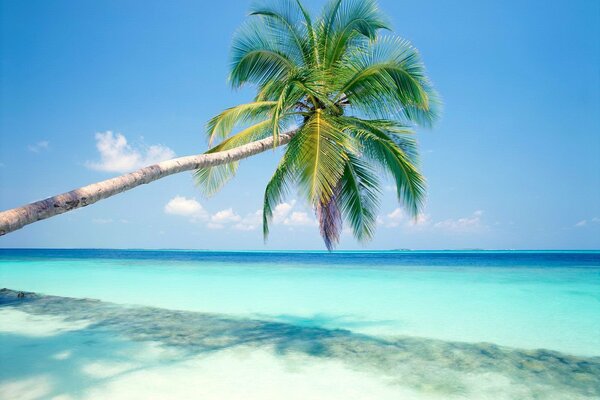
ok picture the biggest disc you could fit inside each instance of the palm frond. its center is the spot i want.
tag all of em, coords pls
(221, 126)
(381, 149)
(310, 30)
(278, 187)
(400, 134)
(321, 148)
(258, 57)
(387, 78)
(330, 220)
(210, 180)
(349, 24)
(359, 197)
(284, 20)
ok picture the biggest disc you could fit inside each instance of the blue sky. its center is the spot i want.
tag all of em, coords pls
(512, 164)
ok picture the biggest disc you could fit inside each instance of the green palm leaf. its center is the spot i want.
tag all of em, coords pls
(278, 187)
(388, 79)
(359, 197)
(321, 149)
(211, 180)
(284, 19)
(221, 126)
(381, 149)
(347, 25)
(257, 57)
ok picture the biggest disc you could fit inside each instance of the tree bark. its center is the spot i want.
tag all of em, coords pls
(16, 218)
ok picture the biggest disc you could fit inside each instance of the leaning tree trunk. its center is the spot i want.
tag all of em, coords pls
(16, 218)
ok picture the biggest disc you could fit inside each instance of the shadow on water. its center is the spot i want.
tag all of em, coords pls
(326, 320)
(427, 365)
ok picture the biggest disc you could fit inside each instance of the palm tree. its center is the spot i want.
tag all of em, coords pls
(343, 99)
(351, 94)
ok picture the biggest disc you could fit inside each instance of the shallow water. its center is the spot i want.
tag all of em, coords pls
(524, 300)
(411, 325)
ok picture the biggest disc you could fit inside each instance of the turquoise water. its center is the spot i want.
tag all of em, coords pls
(522, 299)
(402, 324)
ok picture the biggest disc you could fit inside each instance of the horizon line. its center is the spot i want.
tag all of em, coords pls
(296, 250)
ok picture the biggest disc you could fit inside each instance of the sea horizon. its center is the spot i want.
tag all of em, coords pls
(232, 250)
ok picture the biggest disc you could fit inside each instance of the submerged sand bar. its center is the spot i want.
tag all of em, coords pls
(66, 348)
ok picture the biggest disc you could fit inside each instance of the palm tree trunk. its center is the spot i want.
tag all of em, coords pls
(16, 218)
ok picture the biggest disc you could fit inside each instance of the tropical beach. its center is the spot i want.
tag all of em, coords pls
(284, 199)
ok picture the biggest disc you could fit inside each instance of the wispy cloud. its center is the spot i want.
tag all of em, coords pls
(472, 223)
(585, 222)
(422, 220)
(250, 222)
(212, 225)
(283, 214)
(102, 221)
(39, 147)
(397, 218)
(394, 218)
(117, 155)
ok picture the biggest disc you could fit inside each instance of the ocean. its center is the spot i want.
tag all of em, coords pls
(381, 324)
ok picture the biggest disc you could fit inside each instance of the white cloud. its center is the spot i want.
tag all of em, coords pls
(250, 222)
(281, 211)
(225, 217)
(185, 207)
(117, 155)
(421, 221)
(212, 225)
(39, 146)
(394, 218)
(472, 223)
(283, 214)
(299, 218)
(398, 218)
